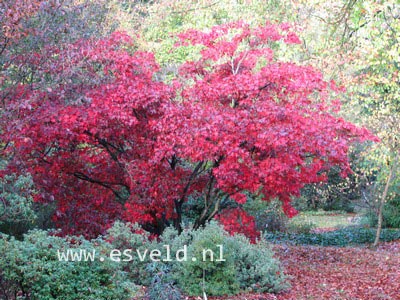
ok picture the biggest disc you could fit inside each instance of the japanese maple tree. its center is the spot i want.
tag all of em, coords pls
(236, 123)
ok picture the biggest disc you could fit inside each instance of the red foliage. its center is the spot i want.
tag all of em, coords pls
(238, 221)
(135, 148)
(13, 13)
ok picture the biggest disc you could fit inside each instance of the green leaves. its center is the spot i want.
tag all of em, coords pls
(31, 268)
(16, 199)
(341, 237)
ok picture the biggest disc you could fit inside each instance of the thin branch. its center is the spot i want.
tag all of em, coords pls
(217, 207)
(193, 9)
(192, 176)
(105, 184)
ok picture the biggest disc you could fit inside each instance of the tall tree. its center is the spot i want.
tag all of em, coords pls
(235, 123)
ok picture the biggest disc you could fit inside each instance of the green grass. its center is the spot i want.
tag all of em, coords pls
(347, 231)
(322, 219)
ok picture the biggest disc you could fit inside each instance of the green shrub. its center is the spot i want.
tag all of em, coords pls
(18, 212)
(300, 228)
(31, 269)
(162, 285)
(201, 272)
(342, 237)
(16, 199)
(192, 208)
(370, 219)
(256, 268)
(245, 266)
(130, 236)
(391, 213)
(269, 215)
(337, 194)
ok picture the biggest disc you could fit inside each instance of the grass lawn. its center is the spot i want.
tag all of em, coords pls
(323, 219)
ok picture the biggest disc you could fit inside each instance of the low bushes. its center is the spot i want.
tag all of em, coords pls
(213, 262)
(162, 285)
(391, 214)
(18, 212)
(237, 264)
(341, 237)
(269, 215)
(30, 269)
(214, 271)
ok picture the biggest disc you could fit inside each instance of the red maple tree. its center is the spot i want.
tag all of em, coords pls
(233, 124)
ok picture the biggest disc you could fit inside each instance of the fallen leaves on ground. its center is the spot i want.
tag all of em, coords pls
(342, 273)
(337, 273)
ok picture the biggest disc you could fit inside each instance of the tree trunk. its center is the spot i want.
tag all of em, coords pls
(383, 199)
(178, 220)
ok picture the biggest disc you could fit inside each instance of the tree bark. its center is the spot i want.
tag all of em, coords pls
(383, 200)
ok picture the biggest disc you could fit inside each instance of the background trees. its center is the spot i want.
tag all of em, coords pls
(378, 95)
